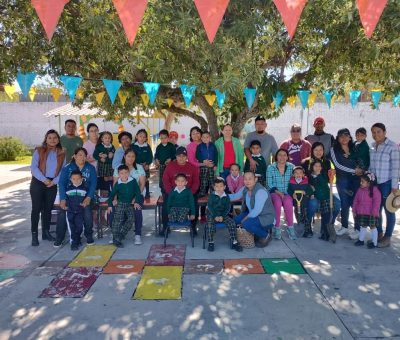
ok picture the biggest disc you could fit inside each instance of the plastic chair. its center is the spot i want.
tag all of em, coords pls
(218, 225)
(179, 225)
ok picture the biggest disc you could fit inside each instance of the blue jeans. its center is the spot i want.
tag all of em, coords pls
(385, 189)
(347, 187)
(253, 225)
(313, 205)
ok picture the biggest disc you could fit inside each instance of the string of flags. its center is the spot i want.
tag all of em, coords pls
(210, 12)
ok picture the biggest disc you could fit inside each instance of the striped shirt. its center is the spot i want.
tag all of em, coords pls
(385, 162)
(277, 181)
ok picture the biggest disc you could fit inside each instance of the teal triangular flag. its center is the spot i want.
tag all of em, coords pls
(112, 88)
(71, 84)
(250, 95)
(187, 93)
(151, 90)
(303, 96)
(396, 100)
(354, 95)
(328, 97)
(220, 98)
(278, 99)
(376, 97)
(25, 81)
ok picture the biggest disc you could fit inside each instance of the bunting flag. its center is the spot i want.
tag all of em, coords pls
(290, 10)
(10, 90)
(396, 100)
(80, 93)
(112, 88)
(376, 97)
(220, 98)
(151, 90)
(278, 99)
(49, 13)
(25, 81)
(55, 93)
(170, 102)
(354, 95)
(328, 97)
(210, 99)
(130, 13)
(99, 97)
(123, 96)
(250, 95)
(71, 84)
(145, 99)
(211, 13)
(303, 96)
(32, 94)
(292, 101)
(187, 93)
(311, 99)
(370, 12)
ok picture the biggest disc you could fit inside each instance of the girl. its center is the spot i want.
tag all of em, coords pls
(366, 208)
(235, 180)
(103, 154)
(144, 155)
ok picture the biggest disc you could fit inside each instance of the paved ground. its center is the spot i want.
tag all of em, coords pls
(347, 292)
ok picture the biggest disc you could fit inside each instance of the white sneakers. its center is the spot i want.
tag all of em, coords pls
(138, 240)
(342, 231)
(354, 234)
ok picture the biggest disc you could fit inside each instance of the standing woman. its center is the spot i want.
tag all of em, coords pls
(90, 144)
(230, 151)
(47, 162)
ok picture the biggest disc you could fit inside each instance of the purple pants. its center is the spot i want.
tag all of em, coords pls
(287, 203)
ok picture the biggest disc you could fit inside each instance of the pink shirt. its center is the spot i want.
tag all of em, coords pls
(234, 184)
(90, 146)
(364, 204)
(191, 151)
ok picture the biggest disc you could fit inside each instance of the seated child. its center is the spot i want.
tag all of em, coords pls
(104, 154)
(128, 198)
(165, 153)
(261, 170)
(76, 192)
(218, 208)
(207, 154)
(234, 180)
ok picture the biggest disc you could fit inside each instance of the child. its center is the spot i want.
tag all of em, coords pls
(366, 208)
(207, 154)
(75, 192)
(261, 170)
(144, 155)
(218, 208)
(128, 199)
(180, 201)
(299, 182)
(235, 179)
(165, 153)
(361, 149)
(103, 154)
(173, 138)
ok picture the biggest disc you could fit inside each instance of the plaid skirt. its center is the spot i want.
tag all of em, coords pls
(104, 169)
(178, 214)
(324, 206)
(367, 221)
(161, 173)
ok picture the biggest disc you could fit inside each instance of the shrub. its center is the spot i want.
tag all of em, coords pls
(11, 148)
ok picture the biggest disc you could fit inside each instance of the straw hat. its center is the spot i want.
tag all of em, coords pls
(393, 201)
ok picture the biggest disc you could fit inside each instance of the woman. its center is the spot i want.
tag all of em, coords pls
(90, 144)
(385, 164)
(137, 172)
(47, 161)
(125, 139)
(298, 148)
(278, 176)
(230, 151)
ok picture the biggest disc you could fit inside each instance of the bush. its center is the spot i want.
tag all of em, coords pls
(11, 148)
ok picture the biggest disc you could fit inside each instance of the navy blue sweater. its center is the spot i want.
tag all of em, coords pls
(75, 196)
(207, 152)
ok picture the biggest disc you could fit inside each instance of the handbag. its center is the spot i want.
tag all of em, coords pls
(245, 238)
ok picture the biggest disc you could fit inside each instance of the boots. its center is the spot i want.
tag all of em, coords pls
(35, 239)
(47, 236)
(307, 231)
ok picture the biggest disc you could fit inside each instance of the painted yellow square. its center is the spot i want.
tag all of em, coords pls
(93, 256)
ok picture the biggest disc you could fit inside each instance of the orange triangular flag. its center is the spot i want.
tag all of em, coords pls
(290, 11)
(370, 12)
(211, 13)
(49, 13)
(130, 13)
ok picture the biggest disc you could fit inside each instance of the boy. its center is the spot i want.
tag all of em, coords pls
(261, 170)
(75, 193)
(207, 154)
(218, 208)
(173, 138)
(165, 153)
(128, 197)
(180, 201)
(361, 149)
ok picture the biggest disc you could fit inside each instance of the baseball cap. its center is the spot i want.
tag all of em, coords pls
(181, 151)
(173, 134)
(319, 120)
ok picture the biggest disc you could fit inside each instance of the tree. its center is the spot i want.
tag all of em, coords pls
(329, 51)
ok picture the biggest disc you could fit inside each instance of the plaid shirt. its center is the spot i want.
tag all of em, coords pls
(385, 162)
(276, 181)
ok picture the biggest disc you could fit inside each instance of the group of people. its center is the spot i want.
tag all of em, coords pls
(296, 177)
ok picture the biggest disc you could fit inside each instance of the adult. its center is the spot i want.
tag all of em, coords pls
(90, 144)
(347, 172)
(230, 151)
(298, 148)
(47, 161)
(70, 141)
(195, 139)
(257, 213)
(320, 135)
(125, 139)
(180, 165)
(278, 177)
(78, 162)
(268, 143)
(385, 164)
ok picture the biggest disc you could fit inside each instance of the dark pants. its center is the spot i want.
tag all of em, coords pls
(385, 189)
(42, 203)
(164, 214)
(138, 220)
(253, 225)
(75, 221)
(347, 187)
(61, 227)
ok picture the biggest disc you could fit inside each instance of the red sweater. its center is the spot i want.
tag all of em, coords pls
(364, 204)
(173, 168)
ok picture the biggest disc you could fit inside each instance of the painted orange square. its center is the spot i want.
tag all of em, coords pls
(243, 266)
(124, 267)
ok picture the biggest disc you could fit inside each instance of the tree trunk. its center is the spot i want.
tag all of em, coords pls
(209, 112)
(169, 120)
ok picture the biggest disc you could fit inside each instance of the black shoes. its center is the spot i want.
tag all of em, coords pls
(236, 246)
(35, 240)
(89, 240)
(263, 242)
(210, 246)
(47, 236)
(118, 244)
(359, 243)
(308, 233)
(74, 247)
(57, 244)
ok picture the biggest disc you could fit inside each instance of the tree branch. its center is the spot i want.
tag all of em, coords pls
(183, 112)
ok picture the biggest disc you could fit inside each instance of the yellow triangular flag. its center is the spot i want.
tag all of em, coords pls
(272, 105)
(210, 99)
(99, 97)
(123, 96)
(311, 99)
(10, 90)
(292, 101)
(145, 99)
(80, 93)
(32, 94)
(333, 100)
(56, 93)
(170, 102)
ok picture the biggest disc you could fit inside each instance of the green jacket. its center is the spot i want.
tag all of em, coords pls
(143, 154)
(126, 192)
(165, 152)
(184, 199)
(218, 206)
(239, 153)
(100, 148)
(320, 184)
(261, 167)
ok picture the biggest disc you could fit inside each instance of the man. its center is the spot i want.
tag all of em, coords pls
(70, 141)
(321, 136)
(125, 139)
(268, 143)
(297, 147)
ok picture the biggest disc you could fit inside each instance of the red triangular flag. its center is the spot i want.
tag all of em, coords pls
(211, 13)
(370, 12)
(130, 13)
(49, 13)
(290, 11)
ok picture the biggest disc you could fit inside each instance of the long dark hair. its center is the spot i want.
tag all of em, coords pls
(337, 147)
(280, 150)
(77, 150)
(141, 131)
(52, 131)
(125, 153)
(370, 178)
(193, 129)
(102, 134)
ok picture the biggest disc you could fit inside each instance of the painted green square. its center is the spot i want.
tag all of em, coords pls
(7, 273)
(277, 266)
